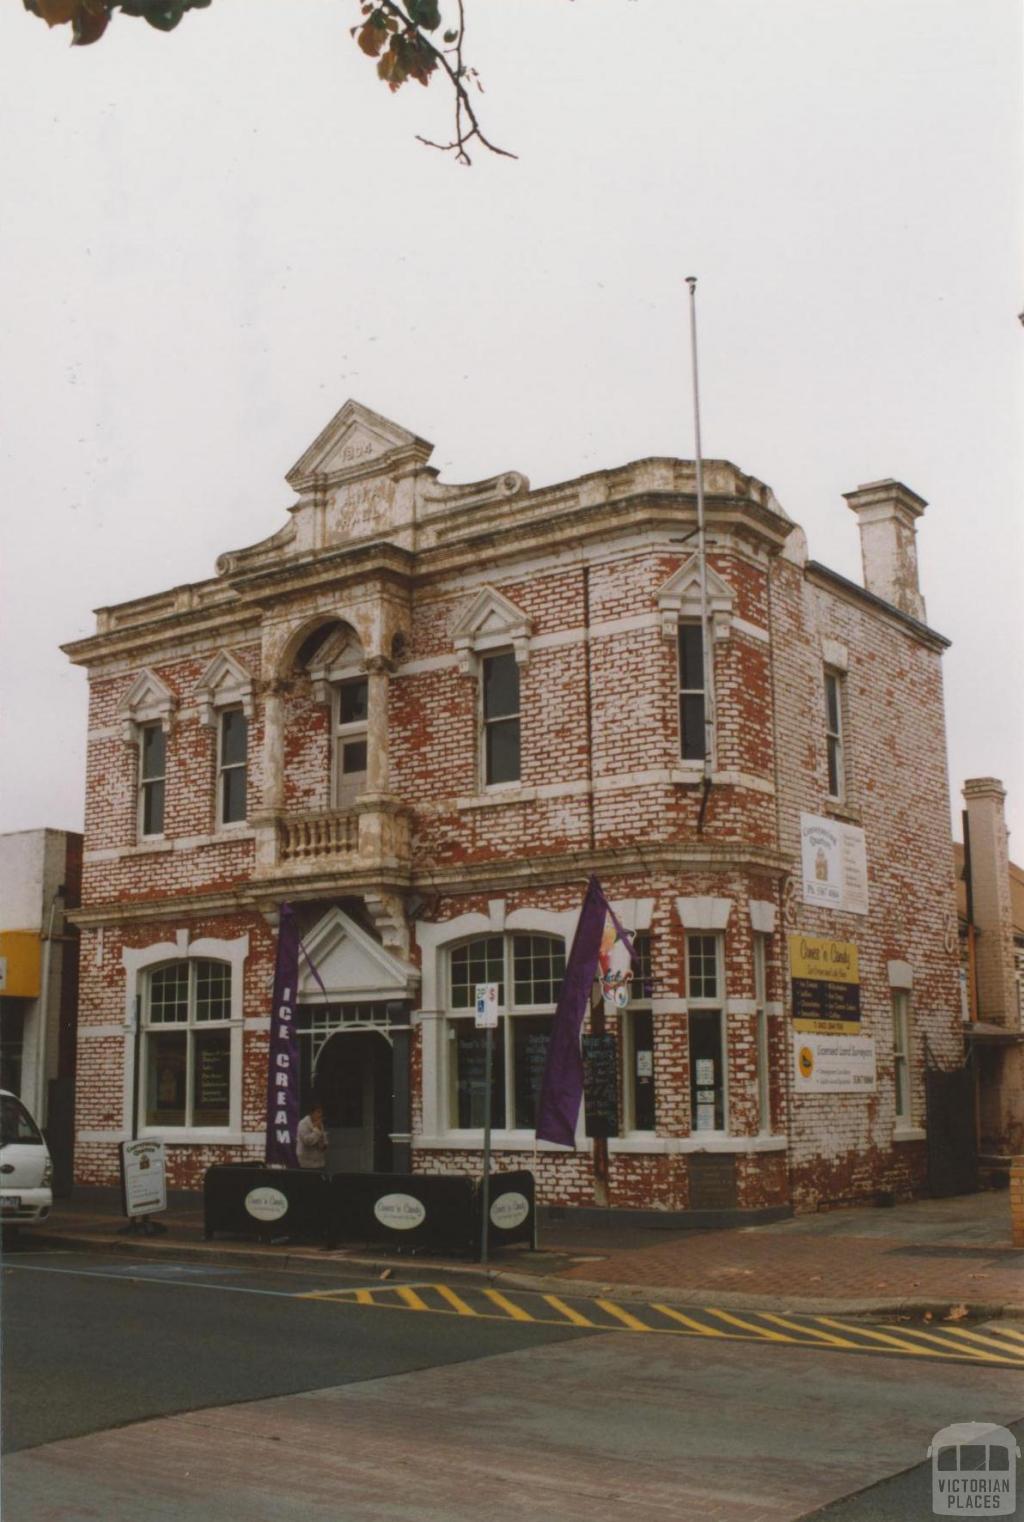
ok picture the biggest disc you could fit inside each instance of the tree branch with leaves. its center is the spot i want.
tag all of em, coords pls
(401, 37)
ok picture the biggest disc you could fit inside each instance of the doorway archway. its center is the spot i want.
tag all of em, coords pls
(352, 1084)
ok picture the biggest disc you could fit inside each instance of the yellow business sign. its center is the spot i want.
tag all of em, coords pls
(828, 961)
(20, 955)
(825, 985)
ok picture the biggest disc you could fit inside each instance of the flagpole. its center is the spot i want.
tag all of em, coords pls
(702, 565)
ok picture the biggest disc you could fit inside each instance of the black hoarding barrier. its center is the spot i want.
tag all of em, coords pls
(253, 1201)
(513, 1210)
(407, 1210)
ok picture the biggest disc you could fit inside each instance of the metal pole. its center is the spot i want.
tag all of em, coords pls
(485, 1193)
(702, 566)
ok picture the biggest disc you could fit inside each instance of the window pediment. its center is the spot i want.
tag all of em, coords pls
(679, 598)
(489, 622)
(147, 701)
(224, 683)
(340, 656)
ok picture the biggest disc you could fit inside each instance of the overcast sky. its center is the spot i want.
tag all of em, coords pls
(210, 239)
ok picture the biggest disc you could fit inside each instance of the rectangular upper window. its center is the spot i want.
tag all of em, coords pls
(152, 778)
(500, 718)
(350, 739)
(692, 739)
(232, 759)
(834, 694)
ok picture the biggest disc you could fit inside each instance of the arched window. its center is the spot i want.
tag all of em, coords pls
(186, 1033)
(528, 970)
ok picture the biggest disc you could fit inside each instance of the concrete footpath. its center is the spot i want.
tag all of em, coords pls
(945, 1258)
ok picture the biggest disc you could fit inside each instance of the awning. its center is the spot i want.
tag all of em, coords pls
(987, 1033)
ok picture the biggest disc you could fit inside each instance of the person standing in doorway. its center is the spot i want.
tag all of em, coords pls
(312, 1140)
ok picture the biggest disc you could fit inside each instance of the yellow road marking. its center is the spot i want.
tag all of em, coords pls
(697, 1326)
(633, 1322)
(515, 1311)
(886, 1337)
(1008, 1331)
(956, 1347)
(1007, 1350)
(748, 1326)
(567, 1311)
(988, 1342)
(454, 1300)
(813, 1331)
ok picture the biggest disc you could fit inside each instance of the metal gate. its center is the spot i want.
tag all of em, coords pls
(950, 1104)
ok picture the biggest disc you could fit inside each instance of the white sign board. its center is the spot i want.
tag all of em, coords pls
(833, 1064)
(835, 864)
(486, 1005)
(144, 1171)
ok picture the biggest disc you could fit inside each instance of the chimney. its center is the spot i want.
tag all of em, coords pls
(886, 511)
(993, 914)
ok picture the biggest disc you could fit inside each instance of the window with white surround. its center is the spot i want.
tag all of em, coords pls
(705, 989)
(835, 683)
(499, 711)
(528, 970)
(764, 1109)
(351, 716)
(152, 778)
(901, 1054)
(637, 1026)
(692, 739)
(232, 765)
(187, 1045)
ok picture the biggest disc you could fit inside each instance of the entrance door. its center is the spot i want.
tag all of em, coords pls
(353, 1084)
(952, 1144)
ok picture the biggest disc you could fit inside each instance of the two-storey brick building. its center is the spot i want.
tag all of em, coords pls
(423, 713)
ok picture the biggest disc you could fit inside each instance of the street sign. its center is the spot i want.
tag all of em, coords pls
(486, 1006)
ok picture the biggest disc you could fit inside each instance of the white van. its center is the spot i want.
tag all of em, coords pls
(26, 1172)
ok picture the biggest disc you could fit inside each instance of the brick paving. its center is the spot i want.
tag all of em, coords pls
(803, 1266)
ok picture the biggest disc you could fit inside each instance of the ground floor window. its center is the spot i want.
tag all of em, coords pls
(637, 1025)
(528, 971)
(705, 983)
(707, 1071)
(186, 1063)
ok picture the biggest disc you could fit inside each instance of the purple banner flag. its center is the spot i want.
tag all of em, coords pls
(561, 1090)
(283, 1065)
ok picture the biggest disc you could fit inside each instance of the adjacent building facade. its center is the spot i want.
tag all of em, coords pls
(40, 881)
(990, 895)
(423, 713)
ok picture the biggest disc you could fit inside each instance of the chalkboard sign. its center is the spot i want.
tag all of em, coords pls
(601, 1085)
(472, 1067)
(531, 1037)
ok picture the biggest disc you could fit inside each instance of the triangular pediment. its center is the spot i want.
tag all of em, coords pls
(224, 681)
(680, 598)
(684, 584)
(489, 612)
(353, 967)
(353, 441)
(147, 699)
